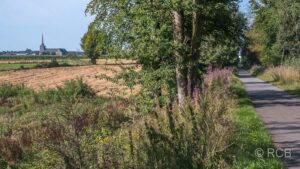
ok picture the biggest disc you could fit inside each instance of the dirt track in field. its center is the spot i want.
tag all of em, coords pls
(52, 77)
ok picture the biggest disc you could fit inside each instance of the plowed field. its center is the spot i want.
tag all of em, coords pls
(52, 77)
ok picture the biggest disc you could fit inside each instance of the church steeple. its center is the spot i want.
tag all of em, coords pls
(42, 39)
(42, 47)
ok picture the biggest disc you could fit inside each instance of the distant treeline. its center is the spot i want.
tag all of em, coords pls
(32, 57)
(47, 57)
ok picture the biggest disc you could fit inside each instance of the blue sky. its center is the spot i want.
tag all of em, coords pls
(22, 23)
(63, 23)
(244, 5)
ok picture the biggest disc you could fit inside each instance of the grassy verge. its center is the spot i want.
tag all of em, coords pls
(293, 88)
(284, 77)
(250, 135)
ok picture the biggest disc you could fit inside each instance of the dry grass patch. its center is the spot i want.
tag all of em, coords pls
(284, 74)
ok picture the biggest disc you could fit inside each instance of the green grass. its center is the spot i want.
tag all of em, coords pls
(16, 66)
(46, 57)
(250, 135)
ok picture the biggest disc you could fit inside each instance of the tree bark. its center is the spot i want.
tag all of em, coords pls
(195, 45)
(180, 71)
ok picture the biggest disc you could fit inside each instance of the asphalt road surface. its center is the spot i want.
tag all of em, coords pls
(280, 112)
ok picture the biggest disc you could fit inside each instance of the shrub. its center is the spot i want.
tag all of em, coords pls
(74, 89)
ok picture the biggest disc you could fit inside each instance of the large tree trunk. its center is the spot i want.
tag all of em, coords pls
(180, 71)
(195, 45)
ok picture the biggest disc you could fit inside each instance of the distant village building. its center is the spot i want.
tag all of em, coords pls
(45, 51)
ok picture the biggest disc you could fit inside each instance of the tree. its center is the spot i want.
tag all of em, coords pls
(179, 55)
(94, 43)
(275, 31)
(167, 36)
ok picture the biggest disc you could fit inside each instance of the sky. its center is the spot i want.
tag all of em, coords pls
(63, 23)
(22, 23)
(244, 5)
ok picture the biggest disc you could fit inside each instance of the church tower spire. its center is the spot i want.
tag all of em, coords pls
(42, 39)
(42, 47)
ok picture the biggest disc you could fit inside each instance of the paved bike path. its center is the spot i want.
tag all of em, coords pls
(280, 112)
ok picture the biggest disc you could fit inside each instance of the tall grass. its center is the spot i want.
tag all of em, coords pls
(286, 77)
(284, 74)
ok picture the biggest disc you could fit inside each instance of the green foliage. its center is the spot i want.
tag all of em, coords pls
(221, 55)
(75, 89)
(94, 43)
(293, 62)
(222, 41)
(144, 30)
(275, 31)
